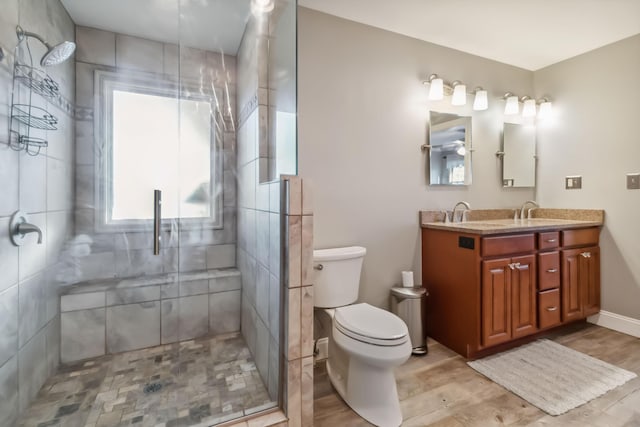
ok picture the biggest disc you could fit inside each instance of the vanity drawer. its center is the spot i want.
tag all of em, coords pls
(548, 308)
(548, 240)
(508, 245)
(580, 237)
(548, 270)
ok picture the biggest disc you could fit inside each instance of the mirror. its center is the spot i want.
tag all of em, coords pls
(518, 155)
(449, 149)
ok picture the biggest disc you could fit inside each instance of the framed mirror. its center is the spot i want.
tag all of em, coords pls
(518, 155)
(449, 149)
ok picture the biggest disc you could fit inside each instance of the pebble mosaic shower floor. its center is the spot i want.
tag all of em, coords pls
(203, 381)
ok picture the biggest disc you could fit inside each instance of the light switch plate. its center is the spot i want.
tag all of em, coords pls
(573, 182)
(633, 181)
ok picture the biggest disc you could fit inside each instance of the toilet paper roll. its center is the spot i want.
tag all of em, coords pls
(407, 279)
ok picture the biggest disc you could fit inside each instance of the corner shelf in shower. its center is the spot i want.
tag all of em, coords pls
(29, 115)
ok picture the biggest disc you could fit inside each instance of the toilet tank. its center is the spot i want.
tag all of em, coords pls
(336, 283)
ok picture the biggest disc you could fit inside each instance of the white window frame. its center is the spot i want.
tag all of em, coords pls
(106, 82)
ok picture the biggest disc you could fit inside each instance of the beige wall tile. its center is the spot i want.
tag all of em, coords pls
(306, 268)
(293, 250)
(306, 321)
(293, 196)
(294, 395)
(307, 197)
(293, 323)
(306, 384)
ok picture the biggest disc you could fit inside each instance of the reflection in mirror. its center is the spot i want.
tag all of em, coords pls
(519, 155)
(449, 149)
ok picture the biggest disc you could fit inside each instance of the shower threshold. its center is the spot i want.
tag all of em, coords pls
(204, 381)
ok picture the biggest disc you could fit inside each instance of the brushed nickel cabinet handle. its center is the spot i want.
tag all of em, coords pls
(554, 308)
(586, 254)
(552, 240)
(552, 270)
(157, 220)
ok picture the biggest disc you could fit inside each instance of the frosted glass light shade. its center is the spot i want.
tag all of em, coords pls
(545, 109)
(436, 89)
(459, 95)
(529, 108)
(480, 102)
(512, 106)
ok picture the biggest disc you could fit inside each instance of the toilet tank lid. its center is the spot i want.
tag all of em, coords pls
(333, 254)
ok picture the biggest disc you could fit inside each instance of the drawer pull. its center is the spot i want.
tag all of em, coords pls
(514, 265)
(586, 254)
(554, 308)
(552, 270)
(552, 240)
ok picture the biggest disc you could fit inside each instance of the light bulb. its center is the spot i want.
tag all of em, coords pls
(459, 94)
(545, 109)
(512, 106)
(529, 108)
(480, 102)
(436, 88)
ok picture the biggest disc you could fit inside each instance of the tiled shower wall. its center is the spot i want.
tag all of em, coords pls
(129, 253)
(41, 186)
(258, 211)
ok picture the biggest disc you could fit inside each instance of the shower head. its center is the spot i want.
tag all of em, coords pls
(55, 54)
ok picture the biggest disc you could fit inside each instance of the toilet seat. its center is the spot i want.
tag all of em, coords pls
(371, 325)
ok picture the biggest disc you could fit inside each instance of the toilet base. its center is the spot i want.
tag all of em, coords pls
(369, 391)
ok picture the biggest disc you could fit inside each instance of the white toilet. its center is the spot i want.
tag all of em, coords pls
(366, 343)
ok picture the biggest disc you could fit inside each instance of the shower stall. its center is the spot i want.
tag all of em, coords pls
(142, 232)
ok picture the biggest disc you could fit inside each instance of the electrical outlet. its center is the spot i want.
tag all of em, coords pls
(322, 349)
(633, 181)
(573, 182)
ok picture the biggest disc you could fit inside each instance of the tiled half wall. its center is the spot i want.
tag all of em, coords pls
(122, 315)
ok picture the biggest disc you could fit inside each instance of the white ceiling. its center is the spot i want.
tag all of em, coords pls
(528, 34)
(215, 25)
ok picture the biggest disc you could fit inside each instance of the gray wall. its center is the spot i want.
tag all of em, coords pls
(126, 254)
(362, 118)
(42, 186)
(594, 134)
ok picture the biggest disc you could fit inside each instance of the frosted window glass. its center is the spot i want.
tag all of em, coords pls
(161, 143)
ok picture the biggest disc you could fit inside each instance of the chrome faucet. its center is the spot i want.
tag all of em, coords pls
(26, 228)
(19, 227)
(524, 205)
(467, 207)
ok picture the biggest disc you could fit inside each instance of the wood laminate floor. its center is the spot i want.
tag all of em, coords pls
(441, 390)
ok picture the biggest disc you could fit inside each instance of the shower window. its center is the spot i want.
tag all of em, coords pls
(142, 119)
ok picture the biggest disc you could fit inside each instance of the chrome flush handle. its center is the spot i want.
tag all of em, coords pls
(318, 267)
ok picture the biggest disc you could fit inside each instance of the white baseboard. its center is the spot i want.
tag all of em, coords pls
(617, 322)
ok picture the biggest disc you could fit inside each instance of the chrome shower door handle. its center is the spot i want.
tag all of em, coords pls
(157, 220)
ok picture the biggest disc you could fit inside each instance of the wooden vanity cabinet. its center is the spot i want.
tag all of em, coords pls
(486, 292)
(508, 299)
(580, 283)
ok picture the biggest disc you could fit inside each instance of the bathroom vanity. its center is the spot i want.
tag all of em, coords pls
(493, 283)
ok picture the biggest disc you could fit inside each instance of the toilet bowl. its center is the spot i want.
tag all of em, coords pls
(366, 343)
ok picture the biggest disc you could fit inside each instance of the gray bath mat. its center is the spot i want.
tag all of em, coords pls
(551, 376)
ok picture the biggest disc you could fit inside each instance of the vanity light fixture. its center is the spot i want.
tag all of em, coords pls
(545, 108)
(459, 93)
(436, 87)
(480, 102)
(512, 106)
(529, 106)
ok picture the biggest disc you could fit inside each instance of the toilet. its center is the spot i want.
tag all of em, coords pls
(365, 344)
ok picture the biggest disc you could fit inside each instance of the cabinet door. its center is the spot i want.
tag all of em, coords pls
(523, 296)
(590, 279)
(496, 301)
(572, 290)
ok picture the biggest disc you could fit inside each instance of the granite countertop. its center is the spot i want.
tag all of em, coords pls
(543, 219)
